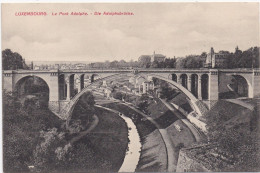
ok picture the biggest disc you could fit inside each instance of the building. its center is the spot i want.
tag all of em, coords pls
(151, 58)
(157, 57)
(141, 84)
(108, 92)
(80, 66)
(36, 67)
(216, 59)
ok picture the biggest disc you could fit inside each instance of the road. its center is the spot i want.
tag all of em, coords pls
(198, 136)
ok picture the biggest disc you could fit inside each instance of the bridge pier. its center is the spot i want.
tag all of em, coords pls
(213, 84)
(8, 80)
(178, 80)
(256, 83)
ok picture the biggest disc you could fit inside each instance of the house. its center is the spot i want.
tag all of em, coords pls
(216, 59)
(108, 92)
(144, 59)
(141, 84)
(157, 57)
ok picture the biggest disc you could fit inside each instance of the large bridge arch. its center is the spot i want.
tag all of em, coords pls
(34, 86)
(240, 83)
(51, 79)
(196, 104)
(22, 83)
(242, 86)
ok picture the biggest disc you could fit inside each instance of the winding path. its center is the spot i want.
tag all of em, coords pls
(90, 128)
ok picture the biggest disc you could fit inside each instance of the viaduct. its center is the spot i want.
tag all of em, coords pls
(199, 85)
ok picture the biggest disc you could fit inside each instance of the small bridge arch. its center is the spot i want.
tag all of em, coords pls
(21, 82)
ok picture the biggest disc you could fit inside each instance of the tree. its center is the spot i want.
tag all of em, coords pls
(193, 61)
(83, 113)
(180, 63)
(155, 64)
(118, 95)
(18, 123)
(170, 63)
(45, 156)
(143, 103)
(244, 59)
(167, 92)
(203, 55)
(144, 61)
(12, 60)
(114, 64)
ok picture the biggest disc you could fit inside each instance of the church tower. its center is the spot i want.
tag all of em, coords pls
(212, 55)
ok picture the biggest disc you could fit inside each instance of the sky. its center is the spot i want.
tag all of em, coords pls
(172, 29)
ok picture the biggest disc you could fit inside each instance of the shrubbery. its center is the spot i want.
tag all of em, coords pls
(21, 132)
(239, 143)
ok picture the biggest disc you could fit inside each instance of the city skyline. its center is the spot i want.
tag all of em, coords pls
(172, 29)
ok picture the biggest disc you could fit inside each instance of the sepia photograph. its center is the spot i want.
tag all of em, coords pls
(130, 87)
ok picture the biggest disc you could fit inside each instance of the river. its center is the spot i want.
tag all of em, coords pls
(134, 147)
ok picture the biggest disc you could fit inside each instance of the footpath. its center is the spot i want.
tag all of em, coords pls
(93, 124)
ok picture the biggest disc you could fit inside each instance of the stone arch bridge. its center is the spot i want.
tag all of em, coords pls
(66, 86)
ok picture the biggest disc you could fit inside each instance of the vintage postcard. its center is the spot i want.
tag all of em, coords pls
(130, 87)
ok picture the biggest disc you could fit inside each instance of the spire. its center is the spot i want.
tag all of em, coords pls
(212, 50)
(237, 49)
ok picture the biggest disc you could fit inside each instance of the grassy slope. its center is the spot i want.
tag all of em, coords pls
(108, 141)
(235, 114)
(166, 119)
